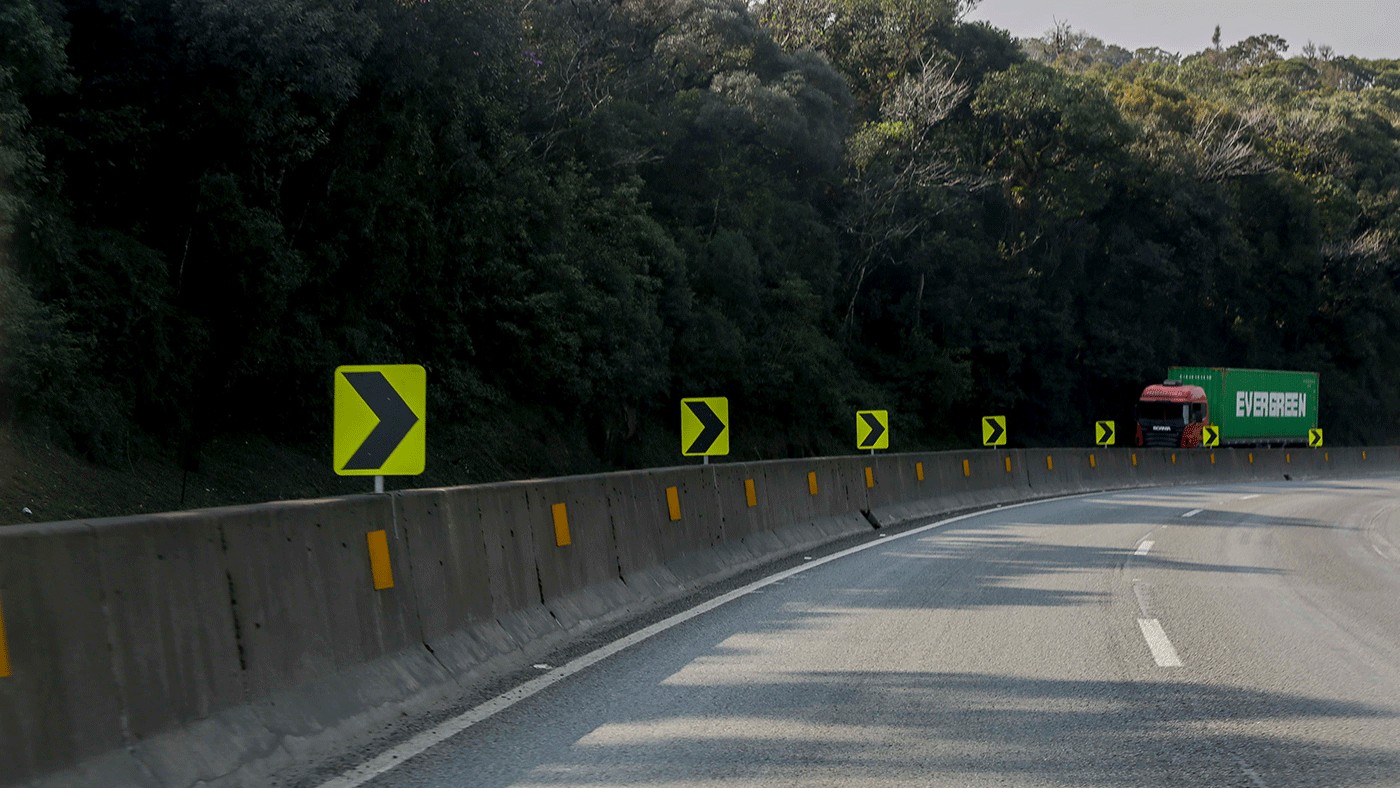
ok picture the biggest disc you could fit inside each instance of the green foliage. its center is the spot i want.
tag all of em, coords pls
(48, 381)
(1054, 139)
(576, 213)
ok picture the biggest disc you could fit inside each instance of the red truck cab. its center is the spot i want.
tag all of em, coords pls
(1171, 415)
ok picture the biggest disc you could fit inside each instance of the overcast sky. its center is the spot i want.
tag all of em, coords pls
(1368, 28)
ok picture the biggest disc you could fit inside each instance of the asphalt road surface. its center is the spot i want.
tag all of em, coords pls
(1225, 635)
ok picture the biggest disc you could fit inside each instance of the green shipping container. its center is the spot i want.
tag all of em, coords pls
(1256, 405)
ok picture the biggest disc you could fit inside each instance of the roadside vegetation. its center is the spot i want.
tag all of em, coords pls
(573, 214)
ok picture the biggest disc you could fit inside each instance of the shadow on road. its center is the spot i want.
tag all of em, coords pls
(871, 728)
(699, 705)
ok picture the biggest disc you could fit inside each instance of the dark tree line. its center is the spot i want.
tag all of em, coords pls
(575, 213)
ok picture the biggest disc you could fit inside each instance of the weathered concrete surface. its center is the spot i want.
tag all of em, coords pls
(61, 703)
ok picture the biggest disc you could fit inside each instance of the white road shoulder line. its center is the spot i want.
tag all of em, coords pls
(395, 757)
(1193, 512)
(1144, 547)
(1162, 650)
(1249, 497)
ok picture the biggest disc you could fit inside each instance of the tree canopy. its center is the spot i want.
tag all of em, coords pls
(575, 214)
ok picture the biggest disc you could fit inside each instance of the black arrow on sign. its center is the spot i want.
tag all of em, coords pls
(1107, 436)
(876, 430)
(1314, 439)
(997, 430)
(714, 427)
(396, 418)
(1212, 434)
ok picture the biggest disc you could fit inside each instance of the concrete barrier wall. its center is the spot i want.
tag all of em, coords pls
(61, 701)
(470, 609)
(951, 481)
(662, 547)
(226, 645)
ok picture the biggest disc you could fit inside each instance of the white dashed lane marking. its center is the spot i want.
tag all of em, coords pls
(1162, 650)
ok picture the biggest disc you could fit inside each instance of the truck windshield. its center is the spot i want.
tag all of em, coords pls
(1162, 411)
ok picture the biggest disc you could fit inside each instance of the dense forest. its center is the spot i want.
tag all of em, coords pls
(575, 213)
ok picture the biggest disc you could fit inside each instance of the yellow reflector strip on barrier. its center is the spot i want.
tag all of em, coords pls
(379, 565)
(1251, 458)
(812, 482)
(1326, 457)
(869, 477)
(4, 645)
(561, 524)
(1134, 459)
(919, 469)
(1363, 456)
(1049, 463)
(1288, 458)
(1173, 458)
(967, 469)
(1008, 465)
(750, 494)
(1212, 458)
(673, 503)
(1093, 461)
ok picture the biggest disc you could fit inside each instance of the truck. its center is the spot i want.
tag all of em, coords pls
(1252, 407)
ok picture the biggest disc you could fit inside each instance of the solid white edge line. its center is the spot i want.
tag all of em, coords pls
(1144, 547)
(1249, 497)
(1193, 512)
(422, 742)
(1162, 650)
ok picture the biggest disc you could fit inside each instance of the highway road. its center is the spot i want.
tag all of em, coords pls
(1222, 635)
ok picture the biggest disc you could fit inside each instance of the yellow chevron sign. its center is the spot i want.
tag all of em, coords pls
(380, 414)
(993, 430)
(1104, 433)
(872, 429)
(705, 426)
